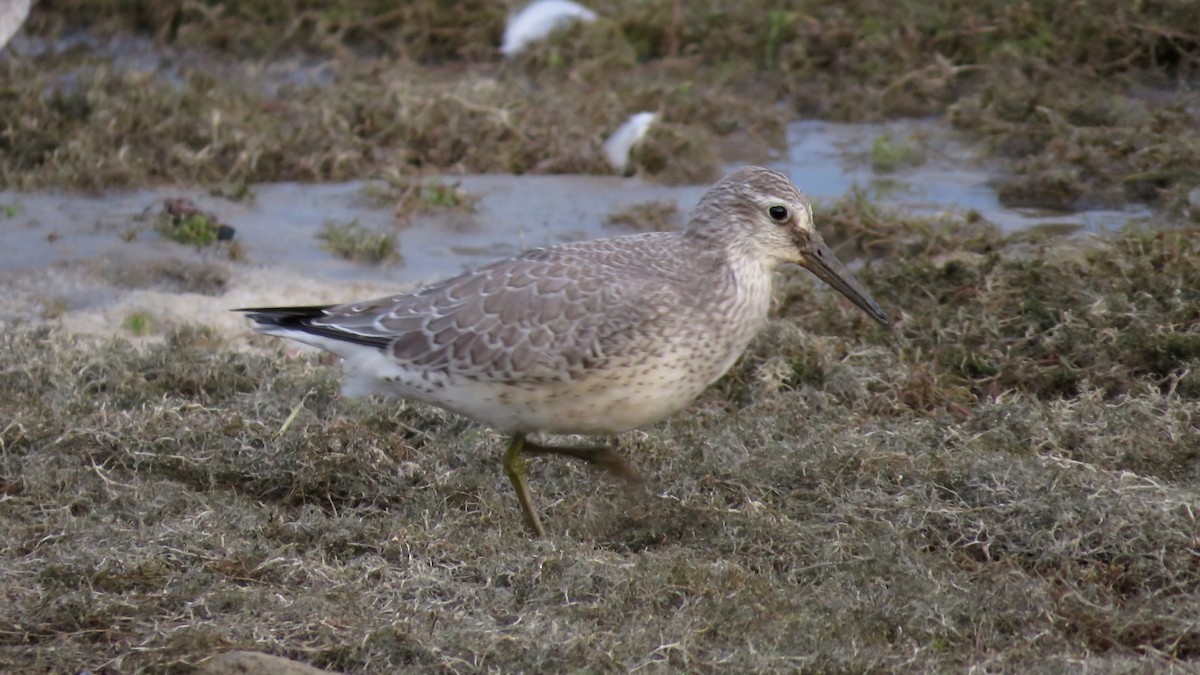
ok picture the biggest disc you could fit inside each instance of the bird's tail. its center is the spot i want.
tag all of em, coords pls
(365, 359)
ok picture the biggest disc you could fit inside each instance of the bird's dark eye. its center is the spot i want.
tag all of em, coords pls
(779, 213)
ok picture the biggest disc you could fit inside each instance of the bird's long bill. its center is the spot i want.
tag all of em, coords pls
(822, 262)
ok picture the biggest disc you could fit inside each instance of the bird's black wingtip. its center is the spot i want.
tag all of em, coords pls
(281, 316)
(288, 321)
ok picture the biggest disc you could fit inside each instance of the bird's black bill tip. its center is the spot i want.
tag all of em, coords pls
(867, 304)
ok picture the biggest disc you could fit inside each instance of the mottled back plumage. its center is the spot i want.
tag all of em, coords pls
(530, 318)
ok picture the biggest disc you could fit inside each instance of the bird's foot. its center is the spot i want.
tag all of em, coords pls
(600, 456)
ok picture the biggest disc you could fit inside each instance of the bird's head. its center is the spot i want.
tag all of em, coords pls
(757, 212)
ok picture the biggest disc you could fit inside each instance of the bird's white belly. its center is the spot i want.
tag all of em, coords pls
(606, 401)
(602, 403)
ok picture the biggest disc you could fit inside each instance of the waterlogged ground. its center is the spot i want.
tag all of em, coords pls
(1007, 480)
(63, 251)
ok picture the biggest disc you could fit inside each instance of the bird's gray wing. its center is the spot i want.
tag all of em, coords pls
(541, 316)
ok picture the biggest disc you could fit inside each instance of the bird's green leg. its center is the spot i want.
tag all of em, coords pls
(514, 466)
(601, 456)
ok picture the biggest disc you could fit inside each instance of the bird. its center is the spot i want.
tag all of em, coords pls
(590, 338)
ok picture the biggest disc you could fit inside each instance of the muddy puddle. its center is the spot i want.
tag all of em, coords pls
(66, 254)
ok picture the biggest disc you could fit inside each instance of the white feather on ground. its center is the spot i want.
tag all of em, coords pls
(538, 20)
(12, 15)
(619, 145)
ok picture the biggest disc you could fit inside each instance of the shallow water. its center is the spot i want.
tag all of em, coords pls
(143, 55)
(51, 244)
(827, 159)
(279, 226)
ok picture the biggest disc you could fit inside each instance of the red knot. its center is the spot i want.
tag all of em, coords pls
(595, 337)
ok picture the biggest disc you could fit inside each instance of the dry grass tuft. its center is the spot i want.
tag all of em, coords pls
(651, 216)
(359, 244)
